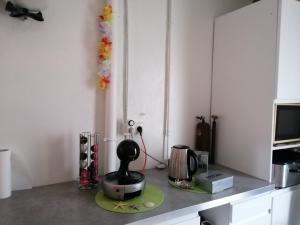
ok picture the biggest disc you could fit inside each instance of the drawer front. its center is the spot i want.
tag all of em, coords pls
(251, 208)
(195, 221)
(286, 208)
(188, 219)
(264, 219)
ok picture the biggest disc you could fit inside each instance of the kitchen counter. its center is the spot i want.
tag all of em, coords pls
(65, 204)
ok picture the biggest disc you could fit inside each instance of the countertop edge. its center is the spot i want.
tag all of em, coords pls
(192, 211)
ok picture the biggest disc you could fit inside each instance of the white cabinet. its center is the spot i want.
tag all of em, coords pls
(289, 49)
(252, 211)
(249, 211)
(255, 210)
(261, 220)
(286, 207)
(195, 221)
(191, 218)
(256, 52)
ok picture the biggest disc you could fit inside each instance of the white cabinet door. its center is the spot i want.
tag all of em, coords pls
(289, 48)
(188, 219)
(195, 221)
(286, 208)
(255, 211)
(262, 219)
(243, 80)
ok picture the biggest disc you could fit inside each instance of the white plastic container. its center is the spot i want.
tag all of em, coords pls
(5, 173)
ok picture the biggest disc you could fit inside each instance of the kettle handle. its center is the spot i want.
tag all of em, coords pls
(191, 171)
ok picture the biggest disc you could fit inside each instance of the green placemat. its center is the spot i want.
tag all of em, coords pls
(195, 188)
(151, 194)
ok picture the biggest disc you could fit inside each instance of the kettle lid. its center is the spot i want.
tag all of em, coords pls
(181, 147)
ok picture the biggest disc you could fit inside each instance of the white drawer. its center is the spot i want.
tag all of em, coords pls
(195, 221)
(250, 208)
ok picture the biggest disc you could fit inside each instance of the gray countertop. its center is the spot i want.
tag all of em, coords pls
(63, 204)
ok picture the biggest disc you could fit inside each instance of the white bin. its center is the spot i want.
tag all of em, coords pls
(5, 173)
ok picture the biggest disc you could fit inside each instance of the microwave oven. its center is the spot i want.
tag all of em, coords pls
(286, 127)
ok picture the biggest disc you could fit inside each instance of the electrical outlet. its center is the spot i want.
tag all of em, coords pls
(132, 126)
(139, 124)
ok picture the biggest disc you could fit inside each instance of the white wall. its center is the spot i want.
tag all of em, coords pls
(191, 63)
(47, 81)
(47, 90)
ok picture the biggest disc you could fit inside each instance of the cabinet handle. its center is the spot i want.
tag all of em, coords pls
(294, 170)
(269, 211)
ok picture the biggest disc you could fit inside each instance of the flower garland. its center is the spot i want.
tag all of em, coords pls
(105, 46)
